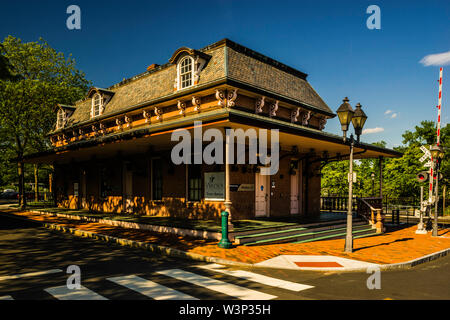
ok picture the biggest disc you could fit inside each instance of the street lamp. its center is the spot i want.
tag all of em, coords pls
(345, 115)
(358, 119)
(437, 153)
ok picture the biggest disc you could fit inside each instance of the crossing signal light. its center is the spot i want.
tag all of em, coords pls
(422, 176)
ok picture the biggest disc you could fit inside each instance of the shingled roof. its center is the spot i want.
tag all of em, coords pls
(228, 61)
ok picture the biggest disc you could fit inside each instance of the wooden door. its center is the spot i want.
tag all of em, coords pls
(262, 195)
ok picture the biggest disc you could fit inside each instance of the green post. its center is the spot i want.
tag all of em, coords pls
(224, 242)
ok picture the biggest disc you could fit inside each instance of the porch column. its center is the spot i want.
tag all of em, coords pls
(227, 176)
(381, 178)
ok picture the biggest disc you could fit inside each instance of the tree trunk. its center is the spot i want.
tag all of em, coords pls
(22, 198)
(36, 184)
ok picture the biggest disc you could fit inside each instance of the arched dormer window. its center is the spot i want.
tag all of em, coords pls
(60, 119)
(185, 72)
(97, 105)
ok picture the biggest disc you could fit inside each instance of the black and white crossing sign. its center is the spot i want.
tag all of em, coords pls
(427, 155)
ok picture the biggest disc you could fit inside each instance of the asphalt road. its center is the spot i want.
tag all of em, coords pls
(34, 261)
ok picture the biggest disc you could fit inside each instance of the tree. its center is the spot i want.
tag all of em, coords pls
(399, 174)
(42, 78)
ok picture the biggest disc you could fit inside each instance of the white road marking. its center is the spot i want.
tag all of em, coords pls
(216, 285)
(30, 274)
(64, 293)
(255, 277)
(6, 298)
(150, 289)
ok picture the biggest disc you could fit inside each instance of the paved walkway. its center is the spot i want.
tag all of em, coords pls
(392, 247)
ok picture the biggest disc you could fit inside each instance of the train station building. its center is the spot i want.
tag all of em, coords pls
(112, 150)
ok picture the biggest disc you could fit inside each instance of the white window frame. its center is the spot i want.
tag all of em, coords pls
(60, 118)
(94, 105)
(179, 74)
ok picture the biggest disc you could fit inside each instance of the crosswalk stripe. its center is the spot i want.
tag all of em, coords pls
(6, 298)
(217, 285)
(30, 274)
(255, 277)
(64, 293)
(150, 289)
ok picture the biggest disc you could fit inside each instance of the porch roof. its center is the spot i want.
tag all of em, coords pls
(140, 139)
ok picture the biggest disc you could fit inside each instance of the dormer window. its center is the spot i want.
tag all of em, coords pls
(185, 72)
(60, 119)
(97, 105)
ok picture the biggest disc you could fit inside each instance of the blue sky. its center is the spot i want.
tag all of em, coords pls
(328, 40)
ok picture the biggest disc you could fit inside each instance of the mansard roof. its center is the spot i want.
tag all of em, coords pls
(228, 62)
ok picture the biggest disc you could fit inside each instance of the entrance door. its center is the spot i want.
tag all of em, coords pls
(295, 188)
(262, 195)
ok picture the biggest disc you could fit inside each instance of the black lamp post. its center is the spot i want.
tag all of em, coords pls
(358, 119)
(437, 153)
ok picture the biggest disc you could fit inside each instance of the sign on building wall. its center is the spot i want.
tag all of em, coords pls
(214, 185)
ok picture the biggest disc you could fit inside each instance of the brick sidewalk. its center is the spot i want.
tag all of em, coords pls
(392, 247)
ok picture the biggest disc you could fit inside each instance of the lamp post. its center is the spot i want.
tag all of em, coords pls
(437, 154)
(358, 118)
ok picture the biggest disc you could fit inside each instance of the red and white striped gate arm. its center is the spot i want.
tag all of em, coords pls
(438, 132)
(439, 108)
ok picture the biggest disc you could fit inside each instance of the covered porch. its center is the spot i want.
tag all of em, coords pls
(132, 173)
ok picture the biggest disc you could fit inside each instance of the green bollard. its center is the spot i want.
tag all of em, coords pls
(224, 242)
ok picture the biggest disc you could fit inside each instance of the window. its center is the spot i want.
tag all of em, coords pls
(157, 179)
(60, 118)
(97, 105)
(185, 73)
(194, 182)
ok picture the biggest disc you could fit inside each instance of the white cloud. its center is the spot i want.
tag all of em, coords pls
(388, 111)
(373, 130)
(438, 59)
(394, 115)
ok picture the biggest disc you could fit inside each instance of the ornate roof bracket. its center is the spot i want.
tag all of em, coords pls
(119, 123)
(294, 115)
(102, 128)
(147, 116)
(322, 123)
(182, 107)
(196, 103)
(127, 120)
(220, 96)
(259, 105)
(232, 95)
(305, 118)
(274, 109)
(158, 113)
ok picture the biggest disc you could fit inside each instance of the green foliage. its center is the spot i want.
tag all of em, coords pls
(399, 174)
(38, 77)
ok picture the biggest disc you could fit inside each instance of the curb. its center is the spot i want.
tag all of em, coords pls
(131, 243)
(198, 257)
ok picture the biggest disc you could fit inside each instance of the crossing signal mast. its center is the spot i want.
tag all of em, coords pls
(434, 154)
